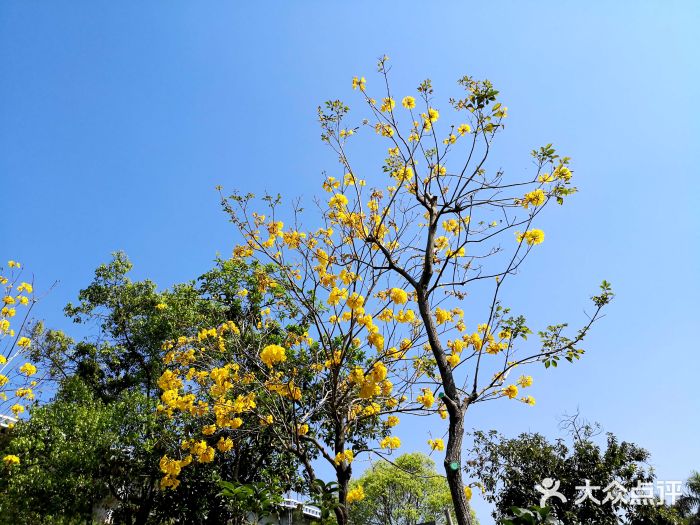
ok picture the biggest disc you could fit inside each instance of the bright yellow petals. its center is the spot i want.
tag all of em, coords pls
(358, 83)
(224, 444)
(24, 342)
(436, 444)
(430, 118)
(355, 301)
(468, 493)
(302, 429)
(390, 443)
(525, 381)
(392, 421)
(336, 295)
(408, 102)
(346, 456)
(427, 399)
(385, 130)
(405, 316)
(453, 360)
(330, 184)
(403, 174)
(442, 316)
(27, 369)
(388, 105)
(376, 340)
(562, 172)
(464, 129)
(534, 198)
(529, 400)
(10, 460)
(338, 201)
(511, 391)
(398, 296)
(355, 495)
(378, 372)
(25, 287)
(532, 237)
(386, 315)
(273, 354)
(442, 243)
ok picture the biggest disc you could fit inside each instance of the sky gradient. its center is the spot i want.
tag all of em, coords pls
(118, 119)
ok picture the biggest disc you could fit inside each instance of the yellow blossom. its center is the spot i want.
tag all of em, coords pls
(390, 442)
(408, 102)
(511, 391)
(273, 354)
(27, 369)
(224, 444)
(436, 444)
(336, 295)
(532, 237)
(525, 381)
(356, 494)
(427, 398)
(388, 104)
(346, 456)
(398, 296)
(358, 83)
(10, 460)
(463, 129)
(536, 198)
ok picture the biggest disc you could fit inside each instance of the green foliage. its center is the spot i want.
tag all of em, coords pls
(689, 504)
(509, 470)
(531, 516)
(254, 498)
(63, 447)
(99, 440)
(408, 492)
(325, 497)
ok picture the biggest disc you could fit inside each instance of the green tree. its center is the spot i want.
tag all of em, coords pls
(405, 492)
(102, 428)
(510, 469)
(689, 504)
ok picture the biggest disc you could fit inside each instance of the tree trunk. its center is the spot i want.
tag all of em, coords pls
(456, 408)
(453, 467)
(343, 475)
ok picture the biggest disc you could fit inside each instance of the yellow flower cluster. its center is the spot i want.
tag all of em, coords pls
(427, 399)
(356, 494)
(390, 442)
(273, 354)
(532, 237)
(346, 456)
(534, 198)
(436, 444)
(11, 460)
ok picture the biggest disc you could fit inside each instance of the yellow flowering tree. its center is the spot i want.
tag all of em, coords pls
(373, 320)
(18, 376)
(264, 375)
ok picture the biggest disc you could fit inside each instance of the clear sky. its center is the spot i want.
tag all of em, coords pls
(118, 119)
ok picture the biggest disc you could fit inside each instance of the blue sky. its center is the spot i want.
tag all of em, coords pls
(118, 119)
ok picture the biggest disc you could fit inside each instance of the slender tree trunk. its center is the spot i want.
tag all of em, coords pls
(453, 467)
(343, 475)
(456, 409)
